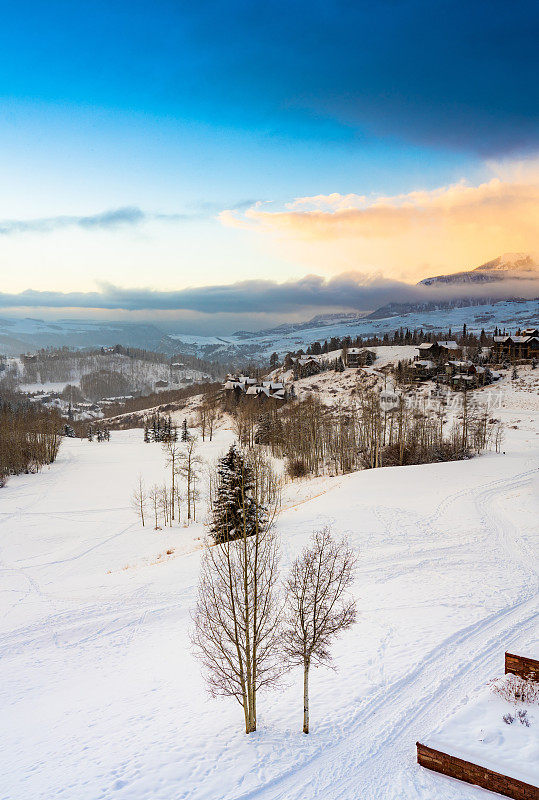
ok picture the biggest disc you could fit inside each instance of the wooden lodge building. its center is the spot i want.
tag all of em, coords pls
(358, 357)
(520, 347)
(439, 351)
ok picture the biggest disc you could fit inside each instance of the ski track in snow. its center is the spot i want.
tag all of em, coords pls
(374, 743)
(368, 754)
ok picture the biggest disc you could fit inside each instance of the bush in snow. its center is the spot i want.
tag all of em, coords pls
(516, 689)
(523, 717)
(296, 468)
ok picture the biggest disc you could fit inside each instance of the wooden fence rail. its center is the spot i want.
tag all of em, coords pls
(520, 665)
(472, 773)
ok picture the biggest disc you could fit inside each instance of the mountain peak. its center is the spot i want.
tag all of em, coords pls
(516, 266)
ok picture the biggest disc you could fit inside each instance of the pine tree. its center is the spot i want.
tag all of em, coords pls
(185, 432)
(235, 509)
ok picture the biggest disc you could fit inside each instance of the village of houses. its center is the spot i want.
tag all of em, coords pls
(445, 362)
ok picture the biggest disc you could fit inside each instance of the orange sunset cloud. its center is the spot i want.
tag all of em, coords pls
(406, 235)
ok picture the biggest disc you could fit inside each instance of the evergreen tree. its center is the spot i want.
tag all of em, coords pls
(185, 432)
(234, 507)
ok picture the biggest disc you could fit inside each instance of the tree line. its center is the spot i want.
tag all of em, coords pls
(372, 429)
(29, 437)
(402, 336)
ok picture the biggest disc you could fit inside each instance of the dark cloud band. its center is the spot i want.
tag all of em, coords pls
(348, 291)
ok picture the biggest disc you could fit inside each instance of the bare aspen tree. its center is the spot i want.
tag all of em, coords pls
(139, 499)
(236, 624)
(211, 415)
(188, 466)
(154, 497)
(164, 502)
(499, 433)
(178, 500)
(318, 606)
(173, 452)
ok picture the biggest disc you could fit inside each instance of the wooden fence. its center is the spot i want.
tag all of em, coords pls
(520, 665)
(472, 773)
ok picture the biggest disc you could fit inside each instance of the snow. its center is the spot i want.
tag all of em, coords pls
(102, 698)
(508, 313)
(478, 733)
(18, 335)
(57, 387)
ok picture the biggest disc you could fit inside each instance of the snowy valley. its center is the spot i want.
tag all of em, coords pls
(102, 696)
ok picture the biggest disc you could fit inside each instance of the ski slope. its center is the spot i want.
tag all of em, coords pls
(99, 692)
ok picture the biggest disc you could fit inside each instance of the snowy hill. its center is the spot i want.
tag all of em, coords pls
(100, 692)
(19, 335)
(506, 313)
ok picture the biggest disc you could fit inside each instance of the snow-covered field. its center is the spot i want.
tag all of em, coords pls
(495, 733)
(100, 696)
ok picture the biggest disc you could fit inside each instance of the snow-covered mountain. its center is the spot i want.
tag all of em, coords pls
(438, 311)
(508, 314)
(19, 335)
(510, 266)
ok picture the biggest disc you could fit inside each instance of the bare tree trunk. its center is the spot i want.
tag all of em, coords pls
(306, 696)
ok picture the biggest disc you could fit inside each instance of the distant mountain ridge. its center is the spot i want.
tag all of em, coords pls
(433, 310)
(510, 266)
(319, 321)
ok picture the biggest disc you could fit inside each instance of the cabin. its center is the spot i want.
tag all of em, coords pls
(463, 380)
(522, 346)
(439, 351)
(305, 366)
(358, 357)
(452, 367)
(352, 357)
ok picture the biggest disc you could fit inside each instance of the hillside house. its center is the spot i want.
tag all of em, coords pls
(244, 385)
(424, 368)
(305, 366)
(358, 357)
(439, 351)
(452, 367)
(523, 346)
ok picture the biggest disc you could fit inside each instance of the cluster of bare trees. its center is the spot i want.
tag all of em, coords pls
(207, 415)
(249, 626)
(177, 501)
(140, 368)
(373, 429)
(29, 438)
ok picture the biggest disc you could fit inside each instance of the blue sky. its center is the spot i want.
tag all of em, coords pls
(184, 111)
